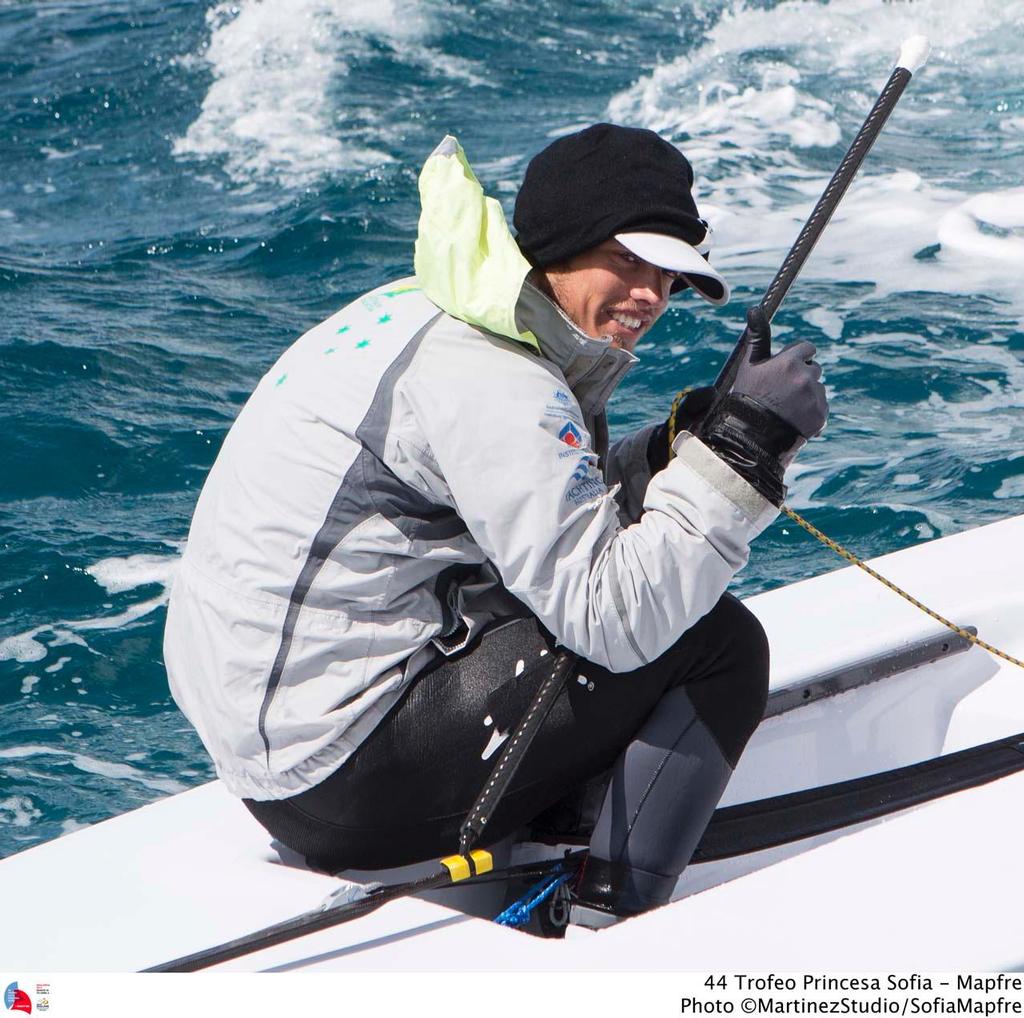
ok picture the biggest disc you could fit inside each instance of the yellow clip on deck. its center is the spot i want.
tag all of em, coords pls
(482, 861)
(462, 867)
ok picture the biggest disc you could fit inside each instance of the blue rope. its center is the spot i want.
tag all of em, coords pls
(519, 912)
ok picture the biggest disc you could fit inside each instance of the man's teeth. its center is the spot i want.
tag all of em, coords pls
(628, 320)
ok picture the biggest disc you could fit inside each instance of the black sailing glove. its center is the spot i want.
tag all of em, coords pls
(775, 405)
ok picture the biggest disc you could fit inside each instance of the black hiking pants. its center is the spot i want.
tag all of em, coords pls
(401, 797)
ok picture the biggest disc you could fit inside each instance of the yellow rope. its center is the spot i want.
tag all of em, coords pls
(850, 557)
(680, 396)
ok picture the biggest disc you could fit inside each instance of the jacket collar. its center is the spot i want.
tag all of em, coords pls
(592, 367)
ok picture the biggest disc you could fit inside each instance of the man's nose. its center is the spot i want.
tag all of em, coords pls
(651, 285)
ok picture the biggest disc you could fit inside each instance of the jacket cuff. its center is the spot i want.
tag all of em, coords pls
(691, 451)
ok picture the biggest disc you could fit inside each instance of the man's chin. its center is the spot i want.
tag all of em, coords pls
(622, 339)
(623, 336)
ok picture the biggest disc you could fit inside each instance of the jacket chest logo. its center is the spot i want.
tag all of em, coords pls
(570, 434)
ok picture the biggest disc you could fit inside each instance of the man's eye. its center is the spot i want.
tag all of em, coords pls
(628, 259)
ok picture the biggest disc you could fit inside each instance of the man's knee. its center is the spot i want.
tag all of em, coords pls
(731, 699)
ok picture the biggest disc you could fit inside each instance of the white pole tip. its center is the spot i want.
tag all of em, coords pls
(914, 53)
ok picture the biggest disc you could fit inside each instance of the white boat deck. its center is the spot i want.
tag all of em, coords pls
(934, 888)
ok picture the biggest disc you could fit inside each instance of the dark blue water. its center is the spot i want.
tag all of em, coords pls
(185, 189)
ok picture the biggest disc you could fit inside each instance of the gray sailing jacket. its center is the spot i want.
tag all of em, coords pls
(404, 475)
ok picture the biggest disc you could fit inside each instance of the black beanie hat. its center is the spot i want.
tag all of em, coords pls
(589, 186)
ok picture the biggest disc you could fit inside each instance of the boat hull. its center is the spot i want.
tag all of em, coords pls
(933, 888)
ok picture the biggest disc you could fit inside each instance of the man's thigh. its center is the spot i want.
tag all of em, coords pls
(429, 758)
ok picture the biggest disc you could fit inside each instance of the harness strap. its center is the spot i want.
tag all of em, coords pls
(514, 752)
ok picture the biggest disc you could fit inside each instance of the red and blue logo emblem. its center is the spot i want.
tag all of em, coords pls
(570, 435)
(17, 1000)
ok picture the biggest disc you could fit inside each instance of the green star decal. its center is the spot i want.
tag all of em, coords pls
(280, 381)
(362, 343)
(383, 319)
(330, 349)
(344, 328)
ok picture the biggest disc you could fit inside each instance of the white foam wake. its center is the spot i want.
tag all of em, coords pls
(115, 575)
(276, 108)
(987, 226)
(18, 811)
(92, 765)
(754, 104)
(119, 574)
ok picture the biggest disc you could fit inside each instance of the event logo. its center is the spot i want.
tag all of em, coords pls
(17, 1000)
(570, 435)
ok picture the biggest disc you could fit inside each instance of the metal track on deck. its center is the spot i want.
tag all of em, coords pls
(871, 669)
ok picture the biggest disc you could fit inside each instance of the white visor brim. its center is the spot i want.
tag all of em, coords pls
(678, 256)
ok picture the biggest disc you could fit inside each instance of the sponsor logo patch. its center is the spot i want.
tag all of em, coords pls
(585, 483)
(563, 414)
(582, 470)
(570, 434)
(562, 407)
(584, 491)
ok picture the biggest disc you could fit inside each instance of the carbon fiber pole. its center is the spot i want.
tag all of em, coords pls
(299, 926)
(822, 213)
(324, 918)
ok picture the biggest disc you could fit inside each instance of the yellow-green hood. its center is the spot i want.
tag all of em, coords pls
(467, 261)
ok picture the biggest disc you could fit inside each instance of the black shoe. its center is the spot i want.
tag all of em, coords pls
(619, 890)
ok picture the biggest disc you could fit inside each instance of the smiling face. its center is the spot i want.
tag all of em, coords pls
(610, 293)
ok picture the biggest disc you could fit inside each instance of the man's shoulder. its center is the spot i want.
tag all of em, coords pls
(450, 344)
(395, 303)
(463, 374)
(449, 329)
(403, 303)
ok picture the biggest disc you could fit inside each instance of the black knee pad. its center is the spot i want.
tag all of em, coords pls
(731, 701)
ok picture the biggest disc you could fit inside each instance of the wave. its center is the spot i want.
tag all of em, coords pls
(765, 104)
(115, 575)
(24, 815)
(272, 113)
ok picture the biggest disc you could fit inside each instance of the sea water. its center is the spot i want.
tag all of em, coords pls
(186, 188)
